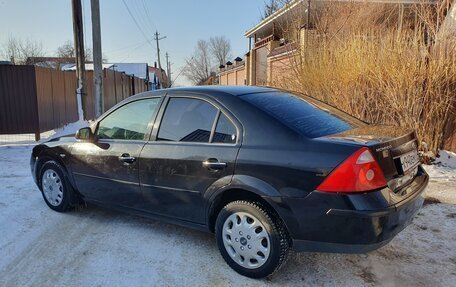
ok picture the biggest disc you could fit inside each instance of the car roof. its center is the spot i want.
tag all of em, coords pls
(232, 90)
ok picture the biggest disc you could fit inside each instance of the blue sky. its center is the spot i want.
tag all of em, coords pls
(183, 22)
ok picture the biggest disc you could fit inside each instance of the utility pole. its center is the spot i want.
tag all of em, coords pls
(308, 24)
(79, 51)
(168, 70)
(157, 38)
(97, 58)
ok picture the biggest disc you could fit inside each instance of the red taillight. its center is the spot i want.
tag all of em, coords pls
(358, 173)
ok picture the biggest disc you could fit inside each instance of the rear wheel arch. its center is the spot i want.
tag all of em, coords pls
(226, 196)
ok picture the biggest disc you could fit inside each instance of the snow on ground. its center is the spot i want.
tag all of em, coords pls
(98, 247)
(443, 167)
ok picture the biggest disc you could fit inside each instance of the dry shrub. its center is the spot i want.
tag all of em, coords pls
(379, 69)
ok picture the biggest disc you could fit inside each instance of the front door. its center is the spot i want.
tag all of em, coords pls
(107, 169)
(195, 148)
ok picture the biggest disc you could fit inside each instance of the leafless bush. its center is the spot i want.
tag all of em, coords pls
(379, 63)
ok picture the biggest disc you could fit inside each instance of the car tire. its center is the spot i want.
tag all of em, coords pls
(251, 238)
(55, 188)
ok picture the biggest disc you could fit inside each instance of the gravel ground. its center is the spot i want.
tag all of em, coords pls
(97, 247)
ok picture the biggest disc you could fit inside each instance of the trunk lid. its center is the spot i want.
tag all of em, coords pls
(394, 148)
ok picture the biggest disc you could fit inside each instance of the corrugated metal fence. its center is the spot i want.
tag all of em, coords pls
(18, 100)
(35, 99)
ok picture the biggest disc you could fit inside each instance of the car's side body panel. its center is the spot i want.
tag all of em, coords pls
(100, 175)
(173, 178)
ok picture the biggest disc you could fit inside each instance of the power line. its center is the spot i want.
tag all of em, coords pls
(140, 17)
(182, 69)
(128, 47)
(149, 14)
(131, 52)
(136, 22)
(143, 11)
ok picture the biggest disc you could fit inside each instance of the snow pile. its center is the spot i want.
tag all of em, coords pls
(446, 159)
(69, 129)
(444, 167)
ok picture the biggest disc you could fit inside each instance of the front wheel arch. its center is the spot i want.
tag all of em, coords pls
(45, 156)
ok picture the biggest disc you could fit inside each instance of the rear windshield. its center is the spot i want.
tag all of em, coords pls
(305, 115)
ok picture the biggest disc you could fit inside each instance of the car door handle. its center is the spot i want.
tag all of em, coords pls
(126, 158)
(214, 164)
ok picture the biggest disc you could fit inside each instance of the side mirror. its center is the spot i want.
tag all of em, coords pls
(84, 134)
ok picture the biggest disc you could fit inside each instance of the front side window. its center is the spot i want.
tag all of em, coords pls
(187, 120)
(130, 121)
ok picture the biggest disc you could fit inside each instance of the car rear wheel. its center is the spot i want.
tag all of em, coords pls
(251, 239)
(55, 188)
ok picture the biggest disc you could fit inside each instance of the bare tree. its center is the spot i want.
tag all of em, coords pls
(66, 50)
(18, 50)
(220, 48)
(199, 66)
(271, 6)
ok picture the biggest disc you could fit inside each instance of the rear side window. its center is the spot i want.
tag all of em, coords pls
(187, 120)
(225, 132)
(308, 117)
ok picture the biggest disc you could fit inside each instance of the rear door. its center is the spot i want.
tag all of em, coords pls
(193, 148)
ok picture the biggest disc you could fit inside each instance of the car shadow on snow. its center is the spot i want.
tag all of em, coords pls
(416, 256)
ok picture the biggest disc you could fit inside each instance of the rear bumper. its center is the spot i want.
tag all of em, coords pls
(363, 231)
(354, 223)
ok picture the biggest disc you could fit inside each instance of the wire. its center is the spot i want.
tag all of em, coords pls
(115, 51)
(149, 15)
(137, 11)
(182, 69)
(131, 52)
(137, 25)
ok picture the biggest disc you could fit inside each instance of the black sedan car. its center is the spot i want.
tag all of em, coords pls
(265, 170)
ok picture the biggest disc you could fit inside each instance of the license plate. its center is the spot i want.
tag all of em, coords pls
(409, 160)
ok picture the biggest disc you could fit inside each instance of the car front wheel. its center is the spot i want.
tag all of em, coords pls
(54, 186)
(252, 239)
